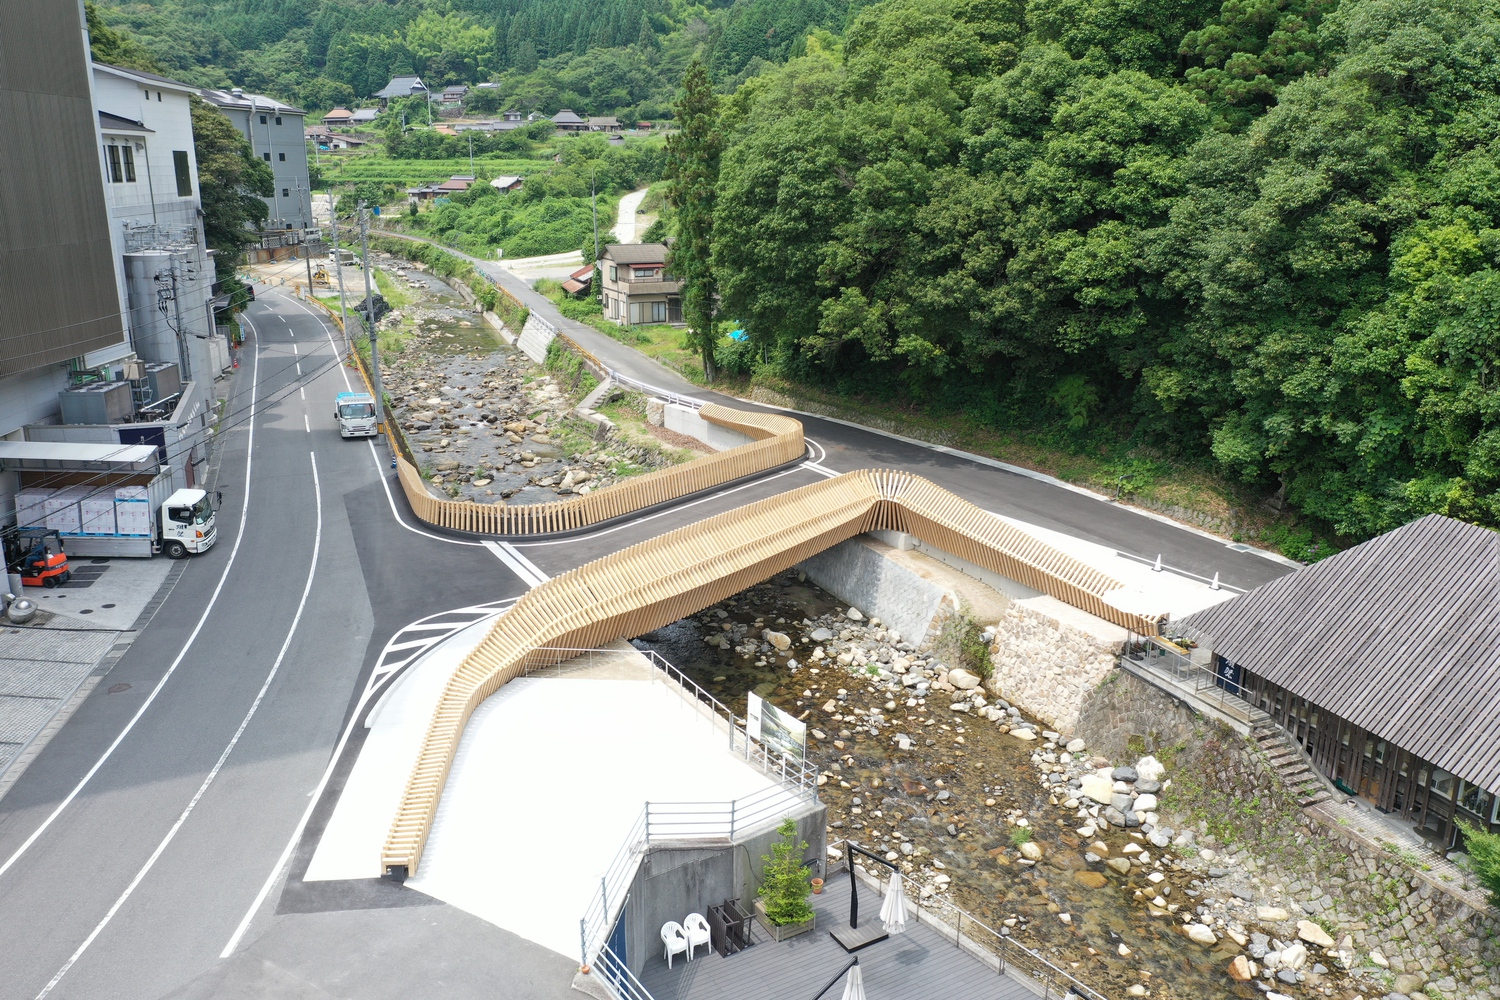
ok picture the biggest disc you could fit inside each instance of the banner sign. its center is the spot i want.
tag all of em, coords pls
(777, 731)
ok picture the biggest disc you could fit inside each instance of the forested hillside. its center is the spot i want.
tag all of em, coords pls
(1262, 233)
(596, 56)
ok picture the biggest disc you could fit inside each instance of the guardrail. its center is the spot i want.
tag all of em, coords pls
(777, 441)
(979, 940)
(681, 572)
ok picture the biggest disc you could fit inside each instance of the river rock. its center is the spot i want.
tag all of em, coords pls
(1239, 969)
(1148, 787)
(1201, 934)
(821, 635)
(780, 640)
(1031, 851)
(1100, 848)
(1076, 746)
(1120, 801)
(1121, 865)
(1024, 734)
(1145, 803)
(1380, 960)
(1294, 955)
(1271, 914)
(853, 614)
(1114, 816)
(1150, 769)
(1125, 773)
(1313, 934)
(1158, 839)
(962, 679)
(1096, 787)
(1090, 880)
(1409, 983)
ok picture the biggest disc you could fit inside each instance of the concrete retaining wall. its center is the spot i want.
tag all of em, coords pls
(685, 420)
(675, 880)
(858, 571)
(535, 336)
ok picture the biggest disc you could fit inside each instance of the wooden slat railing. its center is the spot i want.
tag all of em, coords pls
(777, 441)
(681, 572)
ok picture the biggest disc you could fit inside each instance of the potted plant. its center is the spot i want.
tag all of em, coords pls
(782, 906)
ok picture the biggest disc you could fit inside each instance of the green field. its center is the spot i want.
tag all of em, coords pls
(377, 168)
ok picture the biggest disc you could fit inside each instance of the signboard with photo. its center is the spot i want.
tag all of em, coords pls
(776, 730)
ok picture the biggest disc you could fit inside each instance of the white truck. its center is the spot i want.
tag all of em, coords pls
(122, 520)
(355, 413)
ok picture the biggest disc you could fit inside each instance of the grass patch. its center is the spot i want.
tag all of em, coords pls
(1020, 835)
(394, 296)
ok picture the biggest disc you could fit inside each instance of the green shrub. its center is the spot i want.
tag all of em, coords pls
(1020, 835)
(1483, 850)
(784, 885)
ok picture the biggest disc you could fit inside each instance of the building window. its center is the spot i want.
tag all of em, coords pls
(262, 119)
(116, 175)
(184, 173)
(281, 156)
(645, 272)
(278, 119)
(285, 193)
(614, 273)
(266, 157)
(127, 154)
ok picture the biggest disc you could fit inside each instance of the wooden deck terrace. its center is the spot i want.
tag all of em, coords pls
(917, 965)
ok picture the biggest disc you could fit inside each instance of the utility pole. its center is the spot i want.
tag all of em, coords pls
(364, 246)
(594, 198)
(471, 154)
(307, 258)
(183, 354)
(338, 265)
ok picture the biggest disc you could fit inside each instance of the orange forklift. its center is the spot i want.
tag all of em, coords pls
(37, 555)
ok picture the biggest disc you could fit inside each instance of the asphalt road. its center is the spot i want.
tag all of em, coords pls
(154, 826)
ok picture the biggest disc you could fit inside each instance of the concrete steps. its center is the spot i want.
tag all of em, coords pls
(1293, 766)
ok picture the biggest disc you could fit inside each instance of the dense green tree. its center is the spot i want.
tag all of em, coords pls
(693, 167)
(115, 48)
(231, 182)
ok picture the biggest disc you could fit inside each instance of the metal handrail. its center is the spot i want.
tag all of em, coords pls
(617, 978)
(1006, 950)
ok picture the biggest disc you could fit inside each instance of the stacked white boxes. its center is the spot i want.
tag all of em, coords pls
(62, 511)
(31, 511)
(133, 511)
(96, 513)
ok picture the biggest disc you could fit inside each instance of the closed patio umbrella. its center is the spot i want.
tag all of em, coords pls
(854, 986)
(893, 907)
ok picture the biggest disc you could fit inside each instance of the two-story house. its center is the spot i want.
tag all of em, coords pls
(636, 287)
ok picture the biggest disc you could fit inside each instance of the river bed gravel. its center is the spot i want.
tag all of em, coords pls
(979, 804)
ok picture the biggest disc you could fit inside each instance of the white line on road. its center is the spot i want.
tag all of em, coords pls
(528, 571)
(223, 757)
(376, 680)
(379, 469)
(302, 392)
(294, 349)
(307, 423)
(299, 369)
(182, 653)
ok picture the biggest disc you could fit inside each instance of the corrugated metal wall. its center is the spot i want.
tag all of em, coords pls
(58, 298)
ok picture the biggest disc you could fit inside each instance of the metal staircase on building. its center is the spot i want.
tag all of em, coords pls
(1291, 763)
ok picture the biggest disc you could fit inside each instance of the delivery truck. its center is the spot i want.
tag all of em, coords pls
(355, 414)
(122, 520)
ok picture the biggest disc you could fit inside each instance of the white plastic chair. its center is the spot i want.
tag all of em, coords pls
(697, 932)
(675, 940)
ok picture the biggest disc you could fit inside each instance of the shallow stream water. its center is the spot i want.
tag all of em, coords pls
(948, 797)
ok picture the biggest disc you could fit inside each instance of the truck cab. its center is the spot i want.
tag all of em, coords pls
(187, 523)
(355, 414)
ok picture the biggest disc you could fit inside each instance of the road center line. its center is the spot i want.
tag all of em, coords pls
(307, 423)
(192, 637)
(223, 757)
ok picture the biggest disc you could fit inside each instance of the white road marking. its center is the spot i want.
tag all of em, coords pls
(528, 571)
(378, 677)
(299, 368)
(182, 653)
(223, 757)
(375, 455)
(307, 423)
(820, 470)
(294, 349)
(302, 392)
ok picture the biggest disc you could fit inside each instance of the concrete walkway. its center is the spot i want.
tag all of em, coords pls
(626, 230)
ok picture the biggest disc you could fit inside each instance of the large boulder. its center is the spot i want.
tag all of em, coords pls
(1150, 769)
(962, 679)
(1313, 934)
(1097, 787)
(1201, 934)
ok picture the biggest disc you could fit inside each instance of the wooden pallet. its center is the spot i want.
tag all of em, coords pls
(679, 573)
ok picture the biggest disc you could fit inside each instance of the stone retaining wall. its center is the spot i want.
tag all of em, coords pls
(1380, 901)
(1047, 668)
